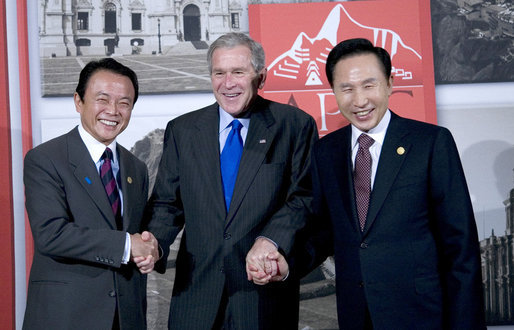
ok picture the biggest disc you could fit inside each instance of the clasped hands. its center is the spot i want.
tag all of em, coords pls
(144, 251)
(265, 264)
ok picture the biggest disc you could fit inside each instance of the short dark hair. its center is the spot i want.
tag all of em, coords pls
(107, 64)
(234, 39)
(353, 47)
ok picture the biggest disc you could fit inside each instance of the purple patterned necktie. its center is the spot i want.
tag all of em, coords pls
(111, 189)
(362, 177)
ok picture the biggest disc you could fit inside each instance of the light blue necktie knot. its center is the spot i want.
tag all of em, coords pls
(229, 160)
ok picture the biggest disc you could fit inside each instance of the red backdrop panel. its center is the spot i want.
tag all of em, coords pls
(298, 37)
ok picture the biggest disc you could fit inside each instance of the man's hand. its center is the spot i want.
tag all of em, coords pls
(264, 263)
(278, 261)
(144, 251)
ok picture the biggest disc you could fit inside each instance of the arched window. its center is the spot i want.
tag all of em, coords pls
(110, 17)
(192, 29)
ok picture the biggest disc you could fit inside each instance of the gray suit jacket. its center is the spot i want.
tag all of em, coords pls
(77, 275)
(270, 195)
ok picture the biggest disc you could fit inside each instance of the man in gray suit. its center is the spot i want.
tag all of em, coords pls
(262, 146)
(85, 211)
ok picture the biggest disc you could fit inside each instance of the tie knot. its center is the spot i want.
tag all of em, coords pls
(365, 141)
(107, 154)
(236, 125)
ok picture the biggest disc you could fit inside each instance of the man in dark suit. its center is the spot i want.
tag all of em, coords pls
(193, 190)
(397, 213)
(86, 232)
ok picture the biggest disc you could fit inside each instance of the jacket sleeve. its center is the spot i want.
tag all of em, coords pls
(291, 217)
(165, 214)
(456, 234)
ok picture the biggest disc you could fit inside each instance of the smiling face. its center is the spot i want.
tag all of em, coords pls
(107, 105)
(234, 81)
(362, 90)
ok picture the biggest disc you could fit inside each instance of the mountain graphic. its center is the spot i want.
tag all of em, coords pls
(303, 65)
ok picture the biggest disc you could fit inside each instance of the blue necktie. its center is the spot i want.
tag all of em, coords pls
(229, 160)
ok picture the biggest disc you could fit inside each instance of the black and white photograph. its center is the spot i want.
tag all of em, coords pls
(473, 41)
(165, 41)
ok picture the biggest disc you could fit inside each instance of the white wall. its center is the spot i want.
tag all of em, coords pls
(481, 118)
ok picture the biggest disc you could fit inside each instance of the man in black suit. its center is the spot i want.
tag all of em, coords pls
(397, 214)
(89, 264)
(222, 229)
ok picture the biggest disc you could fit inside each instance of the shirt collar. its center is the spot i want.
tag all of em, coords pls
(226, 119)
(96, 148)
(377, 133)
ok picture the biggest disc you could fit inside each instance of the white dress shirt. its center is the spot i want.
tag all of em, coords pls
(96, 149)
(378, 134)
(224, 129)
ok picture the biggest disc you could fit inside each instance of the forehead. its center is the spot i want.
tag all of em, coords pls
(364, 59)
(360, 64)
(109, 81)
(228, 55)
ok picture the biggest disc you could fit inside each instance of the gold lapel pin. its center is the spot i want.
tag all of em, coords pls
(400, 150)
(129, 179)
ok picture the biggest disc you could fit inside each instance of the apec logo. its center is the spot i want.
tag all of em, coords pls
(302, 66)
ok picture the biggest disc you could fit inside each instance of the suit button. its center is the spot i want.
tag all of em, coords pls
(112, 293)
(364, 245)
(361, 284)
(227, 236)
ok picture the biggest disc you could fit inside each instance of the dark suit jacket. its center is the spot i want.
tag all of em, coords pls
(270, 194)
(77, 275)
(417, 263)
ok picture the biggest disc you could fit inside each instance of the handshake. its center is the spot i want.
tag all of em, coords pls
(144, 251)
(264, 263)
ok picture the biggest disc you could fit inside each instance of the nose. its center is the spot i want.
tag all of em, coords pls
(112, 108)
(229, 81)
(360, 98)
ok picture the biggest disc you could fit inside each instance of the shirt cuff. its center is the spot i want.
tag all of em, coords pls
(126, 252)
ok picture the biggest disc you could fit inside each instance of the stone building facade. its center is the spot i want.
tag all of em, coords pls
(121, 27)
(498, 271)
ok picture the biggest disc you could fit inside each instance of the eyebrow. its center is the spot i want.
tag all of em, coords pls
(101, 93)
(369, 80)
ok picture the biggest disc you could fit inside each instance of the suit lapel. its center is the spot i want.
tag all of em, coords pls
(258, 141)
(87, 175)
(208, 154)
(391, 160)
(127, 173)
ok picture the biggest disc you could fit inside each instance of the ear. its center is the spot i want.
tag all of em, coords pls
(390, 85)
(262, 77)
(78, 102)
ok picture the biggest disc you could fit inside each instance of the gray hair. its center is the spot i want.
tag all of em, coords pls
(234, 39)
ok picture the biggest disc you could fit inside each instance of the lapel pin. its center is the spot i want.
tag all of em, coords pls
(261, 141)
(129, 179)
(400, 151)
(88, 180)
